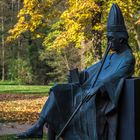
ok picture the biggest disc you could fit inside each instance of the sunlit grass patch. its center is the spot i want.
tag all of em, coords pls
(24, 89)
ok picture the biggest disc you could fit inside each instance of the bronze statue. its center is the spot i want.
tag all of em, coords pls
(100, 85)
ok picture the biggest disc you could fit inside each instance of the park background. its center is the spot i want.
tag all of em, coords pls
(40, 40)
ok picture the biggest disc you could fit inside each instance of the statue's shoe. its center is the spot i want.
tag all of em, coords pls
(33, 132)
(36, 131)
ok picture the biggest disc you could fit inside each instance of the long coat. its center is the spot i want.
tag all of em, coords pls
(97, 119)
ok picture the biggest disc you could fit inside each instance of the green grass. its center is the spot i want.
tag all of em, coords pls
(11, 137)
(7, 137)
(24, 89)
(9, 82)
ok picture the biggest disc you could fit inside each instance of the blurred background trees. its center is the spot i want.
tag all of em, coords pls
(42, 39)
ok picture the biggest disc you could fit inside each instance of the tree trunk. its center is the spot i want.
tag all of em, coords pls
(65, 60)
(19, 42)
(3, 44)
(97, 34)
(12, 5)
(137, 37)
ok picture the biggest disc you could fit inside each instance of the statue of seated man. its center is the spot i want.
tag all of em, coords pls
(97, 118)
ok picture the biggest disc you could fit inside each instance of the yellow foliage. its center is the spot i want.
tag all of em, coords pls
(30, 18)
(75, 17)
(20, 108)
(137, 67)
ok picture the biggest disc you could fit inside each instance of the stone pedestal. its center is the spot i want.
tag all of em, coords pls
(129, 111)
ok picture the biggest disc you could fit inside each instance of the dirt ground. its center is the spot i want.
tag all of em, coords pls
(14, 128)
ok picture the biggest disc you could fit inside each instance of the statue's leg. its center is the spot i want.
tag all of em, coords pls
(36, 131)
(48, 106)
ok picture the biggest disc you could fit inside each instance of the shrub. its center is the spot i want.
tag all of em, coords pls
(20, 71)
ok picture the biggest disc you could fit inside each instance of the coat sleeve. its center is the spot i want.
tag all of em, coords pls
(87, 73)
(113, 84)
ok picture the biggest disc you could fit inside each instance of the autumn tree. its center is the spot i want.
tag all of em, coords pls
(65, 25)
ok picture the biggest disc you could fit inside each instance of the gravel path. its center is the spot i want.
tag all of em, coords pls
(13, 128)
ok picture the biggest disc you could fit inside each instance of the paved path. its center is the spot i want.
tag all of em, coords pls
(13, 128)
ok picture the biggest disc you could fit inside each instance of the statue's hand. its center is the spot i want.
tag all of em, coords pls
(91, 92)
(83, 76)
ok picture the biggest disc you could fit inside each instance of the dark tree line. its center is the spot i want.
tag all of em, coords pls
(47, 38)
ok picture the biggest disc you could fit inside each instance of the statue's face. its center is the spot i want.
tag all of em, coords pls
(116, 43)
